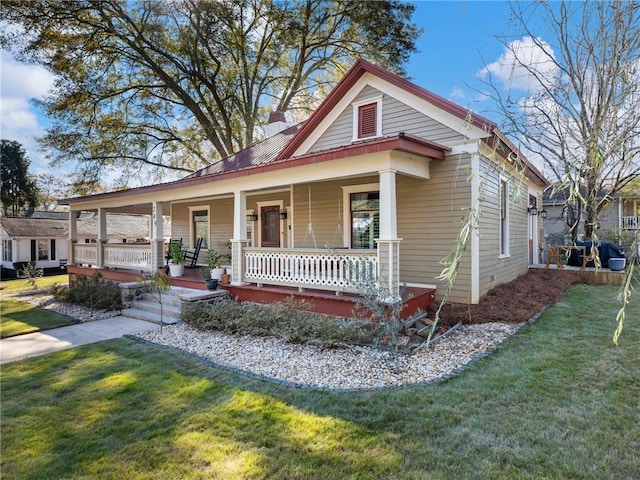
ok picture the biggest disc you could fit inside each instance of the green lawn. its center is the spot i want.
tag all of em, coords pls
(18, 317)
(558, 401)
(22, 284)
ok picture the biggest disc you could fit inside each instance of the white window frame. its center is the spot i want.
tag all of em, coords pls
(251, 231)
(47, 243)
(504, 239)
(356, 119)
(7, 250)
(192, 227)
(347, 190)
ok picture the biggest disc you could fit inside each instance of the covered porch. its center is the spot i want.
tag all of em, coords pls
(414, 299)
(322, 222)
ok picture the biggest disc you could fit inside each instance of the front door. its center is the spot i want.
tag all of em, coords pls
(270, 218)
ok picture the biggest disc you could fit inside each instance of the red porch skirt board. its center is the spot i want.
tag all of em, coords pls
(414, 298)
(345, 305)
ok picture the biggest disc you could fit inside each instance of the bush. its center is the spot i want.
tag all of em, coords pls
(95, 293)
(289, 320)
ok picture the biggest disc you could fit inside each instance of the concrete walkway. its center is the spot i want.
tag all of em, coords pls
(39, 343)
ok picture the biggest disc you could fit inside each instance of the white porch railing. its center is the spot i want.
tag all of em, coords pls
(120, 255)
(127, 256)
(630, 223)
(86, 253)
(337, 270)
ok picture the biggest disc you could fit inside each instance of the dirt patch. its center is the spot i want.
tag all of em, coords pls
(512, 302)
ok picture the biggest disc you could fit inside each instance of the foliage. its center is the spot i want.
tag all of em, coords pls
(558, 401)
(172, 85)
(31, 273)
(176, 253)
(579, 111)
(158, 284)
(212, 260)
(18, 189)
(20, 317)
(96, 292)
(290, 320)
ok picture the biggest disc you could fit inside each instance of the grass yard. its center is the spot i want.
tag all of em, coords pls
(558, 401)
(18, 317)
(22, 284)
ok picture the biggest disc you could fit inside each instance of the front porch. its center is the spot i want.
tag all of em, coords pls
(323, 301)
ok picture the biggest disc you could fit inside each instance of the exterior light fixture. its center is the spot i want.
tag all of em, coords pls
(533, 210)
(283, 214)
(543, 213)
(252, 217)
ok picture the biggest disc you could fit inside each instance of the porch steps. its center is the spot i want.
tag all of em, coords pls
(147, 306)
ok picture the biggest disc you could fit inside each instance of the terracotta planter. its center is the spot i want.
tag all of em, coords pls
(225, 278)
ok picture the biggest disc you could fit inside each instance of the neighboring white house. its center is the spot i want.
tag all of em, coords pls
(43, 237)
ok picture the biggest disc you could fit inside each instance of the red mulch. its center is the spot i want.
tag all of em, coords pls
(515, 302)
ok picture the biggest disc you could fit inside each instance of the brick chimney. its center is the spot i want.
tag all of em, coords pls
(277, 123)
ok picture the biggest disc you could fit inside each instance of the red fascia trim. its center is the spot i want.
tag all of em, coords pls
(402, 143)
(360, 68)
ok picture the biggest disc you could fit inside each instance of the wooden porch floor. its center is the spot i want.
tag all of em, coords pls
(344, 305)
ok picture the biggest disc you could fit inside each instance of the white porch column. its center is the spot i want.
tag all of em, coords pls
(239, 239)
(157, 236)
(102, 235)
(389, 244)
(73, 236)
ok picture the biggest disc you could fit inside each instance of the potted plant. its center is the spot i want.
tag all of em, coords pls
(212, 283)
(176, 266)
(213, 264)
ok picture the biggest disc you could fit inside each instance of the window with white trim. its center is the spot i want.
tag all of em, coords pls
(367, 119)
(7, 250)
(504, 217)
(43, 249)
(199, 225)
(365, 219)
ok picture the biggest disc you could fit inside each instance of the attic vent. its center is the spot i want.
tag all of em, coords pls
(367, 120)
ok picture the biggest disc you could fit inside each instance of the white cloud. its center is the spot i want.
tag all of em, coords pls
(519, 61)
(19, 120)
(457, 92)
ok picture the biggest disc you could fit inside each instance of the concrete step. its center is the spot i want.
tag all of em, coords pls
(147, 307)
(154, 307)
(149, 316)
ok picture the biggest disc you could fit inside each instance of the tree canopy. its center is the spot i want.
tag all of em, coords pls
(18, 189)
(580, 112)
(176, 84)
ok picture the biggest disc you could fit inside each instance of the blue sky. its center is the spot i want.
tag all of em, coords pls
(457, 36)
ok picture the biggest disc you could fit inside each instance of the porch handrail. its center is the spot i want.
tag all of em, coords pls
(85, 253)
(123, 255)
(630, 222)
(322, 269)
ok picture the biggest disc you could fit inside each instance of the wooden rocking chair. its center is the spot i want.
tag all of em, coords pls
(191, 256)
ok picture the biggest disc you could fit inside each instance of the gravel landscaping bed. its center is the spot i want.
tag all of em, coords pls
(47, 301)
(343, 368)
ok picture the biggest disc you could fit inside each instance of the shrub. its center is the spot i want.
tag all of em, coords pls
(290, 320)
(95, 293)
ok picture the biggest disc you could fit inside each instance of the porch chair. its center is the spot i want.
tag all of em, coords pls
(191, 256)
(168, 252)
